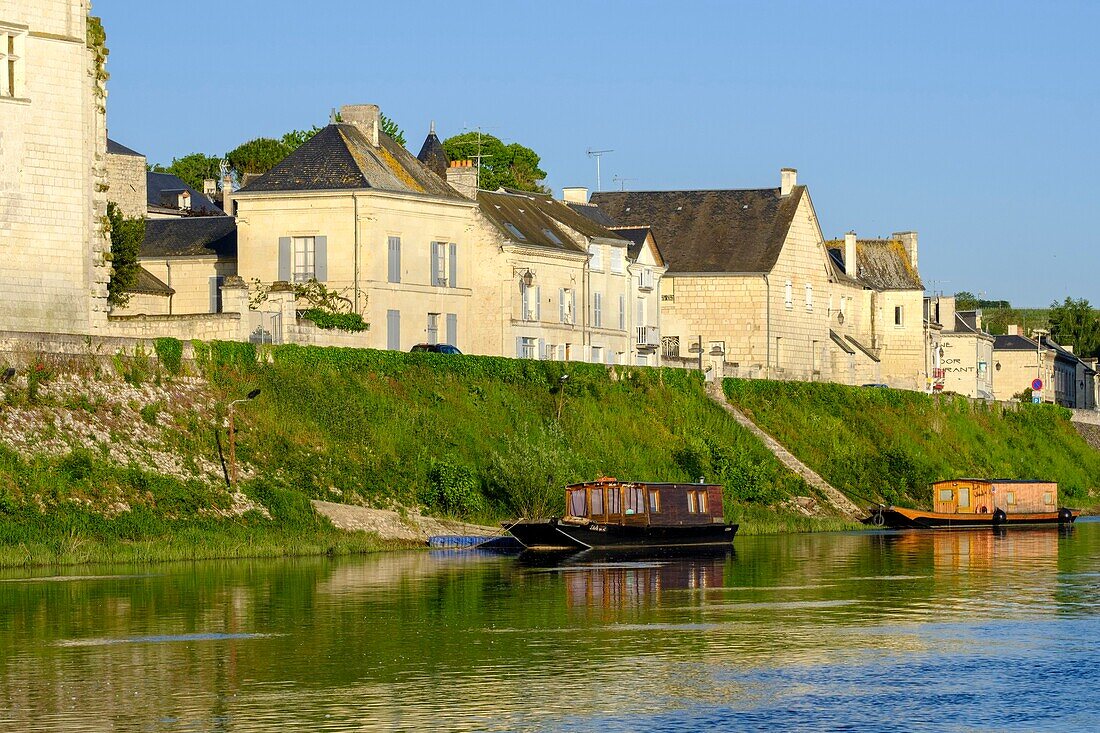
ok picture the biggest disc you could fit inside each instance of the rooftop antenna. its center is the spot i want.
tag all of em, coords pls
(597, 154)
(621, 181)
(479, 156)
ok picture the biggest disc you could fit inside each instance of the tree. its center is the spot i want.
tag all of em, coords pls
(296, 138)
(965, 301)
(257, 157)
(1075, 323)
(510, 166)
(127, 236)
(193, 169)
(391, 128)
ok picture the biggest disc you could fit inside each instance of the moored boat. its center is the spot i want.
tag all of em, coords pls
(608, 514)
(967, 503)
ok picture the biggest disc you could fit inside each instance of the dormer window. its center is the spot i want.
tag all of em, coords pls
(551, 236)
(514, 231)
(184, 200)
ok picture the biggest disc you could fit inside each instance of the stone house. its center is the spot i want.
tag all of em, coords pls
(355, 211)
(54, 264)
(966, 350)
(1074, 378)
(1017, 361)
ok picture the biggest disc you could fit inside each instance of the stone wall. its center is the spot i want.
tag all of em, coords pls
(204, 327)
(128, 188)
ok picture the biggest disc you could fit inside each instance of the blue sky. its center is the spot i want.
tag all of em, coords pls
(973, 123)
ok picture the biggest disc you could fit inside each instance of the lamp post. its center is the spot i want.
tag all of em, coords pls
(561, 392)
(233, 437)
(1039, 333)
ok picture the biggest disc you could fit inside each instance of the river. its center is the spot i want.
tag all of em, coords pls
(951, 631)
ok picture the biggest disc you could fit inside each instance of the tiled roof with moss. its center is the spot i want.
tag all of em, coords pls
(882, 264)
(522, 219)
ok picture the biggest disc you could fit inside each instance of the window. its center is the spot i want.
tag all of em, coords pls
(1048, 498)
(643, 360)
(597, 354)
(693, 507)
(433, 328)
(597, 310)
(613, 501)
(305, 259)
(528, 348)
(622, 312)
(809, 298)
(645, 279)
(898, 313)
(1010, 498)
(514, 232)
(12, 44)
(617, 260)
(452, 329)
(654, 501)
(393, 330)
(395, 259)
(567, 301)
(551, 236)
(577, 506)
(788, 295)
(595, 252)
(964, 498)
(702, 501)
(946, 494)
(529, 302)
(596, 497)
(439, 264)
(635, 500)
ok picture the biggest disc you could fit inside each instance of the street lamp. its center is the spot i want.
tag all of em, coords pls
(1039, 333)
(233, 437)
(561, 392)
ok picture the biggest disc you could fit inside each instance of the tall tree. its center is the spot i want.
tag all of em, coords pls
(965, 301)
(1076, 323)
(257, 157)
(510, 166)
(193, 169)
(296, 138)
(127, 236)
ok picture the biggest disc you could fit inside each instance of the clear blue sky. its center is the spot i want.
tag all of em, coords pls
(973, 123)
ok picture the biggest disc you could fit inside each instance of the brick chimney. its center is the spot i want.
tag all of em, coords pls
(366, 117)
(462, 175)
(788, 179)
(909, 241)
(575, 195)
(850, 268)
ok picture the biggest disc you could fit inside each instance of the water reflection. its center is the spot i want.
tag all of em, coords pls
(802, 632)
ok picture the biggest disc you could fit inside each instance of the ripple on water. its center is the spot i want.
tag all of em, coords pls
(162, 639)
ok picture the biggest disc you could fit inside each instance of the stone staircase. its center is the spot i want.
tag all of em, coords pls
(839, 501)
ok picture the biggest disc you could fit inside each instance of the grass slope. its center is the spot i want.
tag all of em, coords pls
(890, 444)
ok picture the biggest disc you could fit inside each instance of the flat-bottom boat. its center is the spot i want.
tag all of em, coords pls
(969, 503)
(609, 514)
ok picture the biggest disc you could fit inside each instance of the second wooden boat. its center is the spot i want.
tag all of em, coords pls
(962, 503)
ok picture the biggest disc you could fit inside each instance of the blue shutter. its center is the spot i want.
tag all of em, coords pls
(284, 259)
(320, 259)
(561, 305)
(519, 347)
(542, 349)
(393, 330)
(538, 303)
(453, 279)
(435, 264)
(573, 306)
(452, 329)
(394, 259)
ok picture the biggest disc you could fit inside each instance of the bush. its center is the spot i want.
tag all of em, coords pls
(452, 488)
(339, 321)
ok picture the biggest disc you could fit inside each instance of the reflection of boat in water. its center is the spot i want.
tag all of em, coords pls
(969, 503)
(609, 513)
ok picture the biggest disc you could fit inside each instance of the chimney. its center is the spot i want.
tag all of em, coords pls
(184, 200)
(947, 312)
(366, 117)
(462, 175)
(909, 241)
(1012, 330)
(227, 194)
(1067, 347)
(788, 179)
(575, 195)
(209, 188)
(850, 255)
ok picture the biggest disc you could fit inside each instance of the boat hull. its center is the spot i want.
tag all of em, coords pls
(900, 518)
(556, 535)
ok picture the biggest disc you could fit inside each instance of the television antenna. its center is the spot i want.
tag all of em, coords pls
(622, 181)
(477, 158)
(597, 154)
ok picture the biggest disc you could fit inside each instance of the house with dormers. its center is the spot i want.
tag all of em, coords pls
(355, 211)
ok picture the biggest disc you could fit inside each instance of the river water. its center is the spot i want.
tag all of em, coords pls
(951, 631)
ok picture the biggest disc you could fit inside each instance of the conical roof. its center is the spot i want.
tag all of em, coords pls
(433, 155)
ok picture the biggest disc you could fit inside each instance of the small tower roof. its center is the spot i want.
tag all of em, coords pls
(433, 155)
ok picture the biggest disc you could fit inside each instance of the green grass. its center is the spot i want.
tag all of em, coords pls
(888, 444)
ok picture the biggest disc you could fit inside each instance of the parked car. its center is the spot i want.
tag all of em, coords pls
(437, 348)
(877, 385)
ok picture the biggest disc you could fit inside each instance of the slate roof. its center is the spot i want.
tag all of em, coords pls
(149, 284)
(433, 156)
(163, 190)
(1014, 343)
(736, 231)
(532, 223)
(593, 212)
(882, 264)
(637, 238)
(568, 216)
(340, 157)
(197, 236)
(114, 148)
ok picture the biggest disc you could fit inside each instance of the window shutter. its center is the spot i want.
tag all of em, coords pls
(453, 278)
(320, 259)
(452, 329)
(542, 349)
(214, 293)
(561, 305)
(393, 330)
(538, 303)
(573, 307)
(622, 312)
(284, 258)
(435, 264)
(519, 347)
(395, 260)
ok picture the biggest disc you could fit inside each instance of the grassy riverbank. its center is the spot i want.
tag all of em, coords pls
(889, 444)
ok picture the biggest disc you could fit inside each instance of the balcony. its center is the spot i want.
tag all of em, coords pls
(648, 338)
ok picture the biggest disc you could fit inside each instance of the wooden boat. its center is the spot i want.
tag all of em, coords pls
(965, 503)
(610, 514)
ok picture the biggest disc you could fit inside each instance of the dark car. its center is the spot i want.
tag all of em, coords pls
(437, 348)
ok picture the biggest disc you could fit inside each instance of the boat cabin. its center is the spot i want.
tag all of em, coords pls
(984, 496)
(608, 501)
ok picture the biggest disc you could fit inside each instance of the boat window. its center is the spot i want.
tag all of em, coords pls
(635, 500)
(597, 501)
(654, 501)
(692, 508)
(946, 494)
(1048, 498)
(964, 498)
(613, 501)
(576, 503)
(1010, 498)
(702, 502)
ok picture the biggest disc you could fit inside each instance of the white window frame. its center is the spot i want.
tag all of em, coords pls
(303, 265)
(788, 295)
(595, 262)
(13, 49)
(809, 298)
(645, 279)
(566, 299)
(622, 312)
(597, 310)
(528, 302)
(617, 260)
(529, 347)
